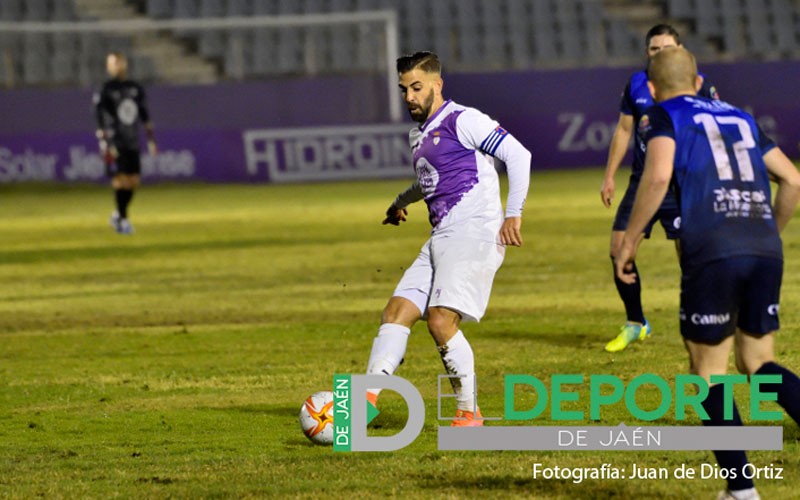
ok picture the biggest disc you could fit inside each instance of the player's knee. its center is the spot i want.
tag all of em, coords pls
(442, 323)
(748, 364)
(400, 311)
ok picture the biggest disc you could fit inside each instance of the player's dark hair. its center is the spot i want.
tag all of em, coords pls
(424, 60)
(662, 29)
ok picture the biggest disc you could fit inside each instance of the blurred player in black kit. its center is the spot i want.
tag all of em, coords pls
(120, 107)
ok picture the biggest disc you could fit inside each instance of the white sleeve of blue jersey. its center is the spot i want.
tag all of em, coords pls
(518, 168)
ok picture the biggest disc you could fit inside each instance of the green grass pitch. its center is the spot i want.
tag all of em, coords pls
(173, 363)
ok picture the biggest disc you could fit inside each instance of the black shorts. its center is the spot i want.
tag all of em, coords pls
(669, 214)
(736, 292)
(128, 162)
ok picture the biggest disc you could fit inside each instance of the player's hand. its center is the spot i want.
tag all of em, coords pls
(607, 191)
(510, 233)
(395, 216)
(109, 153)
(152, 148)
(623, 264)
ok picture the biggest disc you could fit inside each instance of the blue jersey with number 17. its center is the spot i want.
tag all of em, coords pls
(720, 178)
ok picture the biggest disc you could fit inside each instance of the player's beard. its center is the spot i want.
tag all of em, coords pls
(419, 112)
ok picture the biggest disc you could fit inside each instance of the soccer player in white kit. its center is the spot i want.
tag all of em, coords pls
(450, 281)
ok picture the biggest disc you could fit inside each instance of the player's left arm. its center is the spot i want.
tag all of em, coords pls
(484, 134)
(396, 213)
(782, 170)
(149, 129)
(657, 175)
(518, 169)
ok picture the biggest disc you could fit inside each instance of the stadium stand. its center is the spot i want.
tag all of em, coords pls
(470, 35)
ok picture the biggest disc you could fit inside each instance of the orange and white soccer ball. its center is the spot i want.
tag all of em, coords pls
(316, 417)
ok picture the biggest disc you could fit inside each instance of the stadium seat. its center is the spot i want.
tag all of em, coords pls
(35, 57)
(442, 16)
(289, 7)
(265, 7)
(542, 14)
(211, 8)
(237, 56)
(783, 26)
(64, 57)
(290, 51)
(590, 24)
(264, 60)
(37, 10)
(568, 30)
(621, 42)
(185, 9)
(679, 9)
(143, 69)
(519, 35)
(11, 10)
(757, 27)
(159, 8)
(468, 12)
(63, 10)
(211, 43)
(706, 19)
(495, 37)
(238, 8)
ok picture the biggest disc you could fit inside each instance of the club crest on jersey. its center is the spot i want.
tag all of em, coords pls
(644, 125)
(436, 138)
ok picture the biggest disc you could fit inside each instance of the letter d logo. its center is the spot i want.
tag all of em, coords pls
(353, 404)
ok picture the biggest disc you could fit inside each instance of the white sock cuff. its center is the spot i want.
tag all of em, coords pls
(456, 341)
(388, 349)
(393, 328)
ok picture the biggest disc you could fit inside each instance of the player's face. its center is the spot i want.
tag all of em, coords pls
(114, 66)
(659, 42)
(419, 90)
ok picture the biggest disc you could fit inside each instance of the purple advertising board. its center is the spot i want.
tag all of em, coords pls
(310, 129)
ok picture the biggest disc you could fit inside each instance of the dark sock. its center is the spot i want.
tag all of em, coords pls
(123, 197)
(788, 390)
(728, 459)
(631, 295)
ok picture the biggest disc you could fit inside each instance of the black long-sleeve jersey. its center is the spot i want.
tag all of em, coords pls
(120, 107)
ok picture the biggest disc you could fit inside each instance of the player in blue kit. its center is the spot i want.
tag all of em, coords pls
(720, 164)
(454, 148)
(635, 101)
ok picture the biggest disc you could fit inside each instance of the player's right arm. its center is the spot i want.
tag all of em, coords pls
(782, 170)
(396, 213)
(616, 153)
(102, 110)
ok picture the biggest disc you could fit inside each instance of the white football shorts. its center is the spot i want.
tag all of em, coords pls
(455, 273)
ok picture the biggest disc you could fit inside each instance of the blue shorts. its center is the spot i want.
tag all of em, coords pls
(736, 292)
(669, 214)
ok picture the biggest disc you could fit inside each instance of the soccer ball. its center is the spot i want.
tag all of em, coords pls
(316, 417)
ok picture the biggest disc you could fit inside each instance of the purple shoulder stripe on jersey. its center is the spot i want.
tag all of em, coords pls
(446, 169)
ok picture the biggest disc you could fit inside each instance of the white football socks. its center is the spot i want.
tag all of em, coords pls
(388, 350)
(459, 360)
